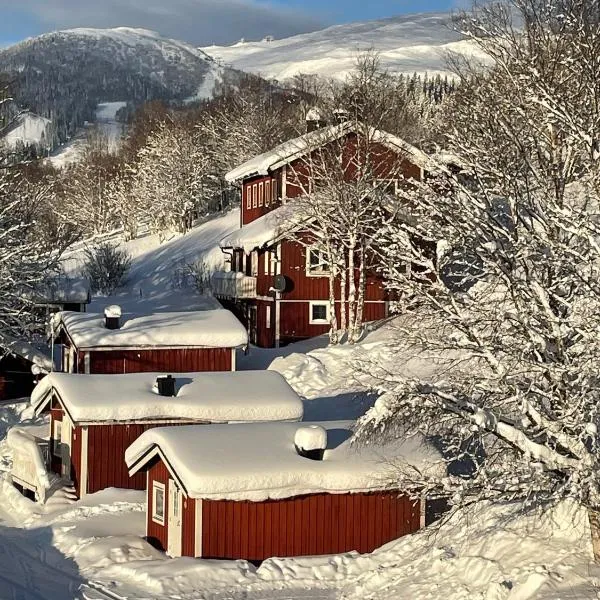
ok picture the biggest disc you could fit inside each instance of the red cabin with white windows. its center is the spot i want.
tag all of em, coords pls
(253, 491)
(296, 305)
(181, 342)
(95, 418)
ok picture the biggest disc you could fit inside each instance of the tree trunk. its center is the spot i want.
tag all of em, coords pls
(333, 324)
(351, 289)
(360, 302)
(594, 518)
(343, 296)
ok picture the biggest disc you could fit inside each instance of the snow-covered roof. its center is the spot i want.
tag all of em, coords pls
(64, 290)
(296, 148)
(207, 328)
(37, 354)
(266, 229)
(259, 461)
(218, 397)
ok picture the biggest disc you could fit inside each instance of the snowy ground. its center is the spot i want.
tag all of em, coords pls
(94, 548)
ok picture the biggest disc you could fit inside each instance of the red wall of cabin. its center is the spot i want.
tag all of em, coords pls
(56, 414)
(305, 525)
(106, 455)
(178, 360)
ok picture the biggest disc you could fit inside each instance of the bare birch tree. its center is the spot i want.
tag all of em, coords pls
(506, 317)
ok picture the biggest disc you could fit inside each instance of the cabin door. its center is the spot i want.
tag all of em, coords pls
(65, 446)
(175, 529)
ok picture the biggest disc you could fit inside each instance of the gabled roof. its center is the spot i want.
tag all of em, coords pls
(196, 329)
(259, 461)
(218, 397)
(293, 149)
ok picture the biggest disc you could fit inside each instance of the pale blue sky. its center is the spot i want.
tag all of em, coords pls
(200, 21)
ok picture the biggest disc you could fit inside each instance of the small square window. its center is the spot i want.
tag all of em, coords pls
(158, 502)
(319, 313)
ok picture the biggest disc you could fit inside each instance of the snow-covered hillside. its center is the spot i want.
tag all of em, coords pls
(66, 74)
(407, 44)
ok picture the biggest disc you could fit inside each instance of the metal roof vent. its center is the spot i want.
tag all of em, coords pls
(166, 385)
(311, 441)
(112, 317)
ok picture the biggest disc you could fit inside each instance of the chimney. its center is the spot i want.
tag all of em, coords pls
(112, 317)
(311, 441)
(166, 385)
(314, 120)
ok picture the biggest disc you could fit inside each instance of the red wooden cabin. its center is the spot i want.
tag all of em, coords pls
(95, 418)
(253, 491)
(268, 183)
(180, 342)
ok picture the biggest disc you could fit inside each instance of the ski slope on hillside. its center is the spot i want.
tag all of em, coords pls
(407, 44)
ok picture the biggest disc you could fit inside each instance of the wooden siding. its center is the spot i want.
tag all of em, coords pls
(188, 527)
(295, 320)
(178, 360)
(157, 535)
(305, 525)
(106, 455)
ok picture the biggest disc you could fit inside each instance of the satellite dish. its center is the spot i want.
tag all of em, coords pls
(279, 283)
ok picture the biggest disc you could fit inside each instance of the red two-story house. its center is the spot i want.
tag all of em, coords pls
(277, 284)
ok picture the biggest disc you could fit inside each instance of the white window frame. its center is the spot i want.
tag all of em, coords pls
(56, 437)
(322, 272)
(324, 321)
(254, 195)
(268, 317)
(254, 263)
(267, 260)
(267, 192)
(248, 197)
(261, 194)
(156, 518)
(274, 190)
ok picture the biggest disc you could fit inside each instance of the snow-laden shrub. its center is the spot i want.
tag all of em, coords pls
(106, 267)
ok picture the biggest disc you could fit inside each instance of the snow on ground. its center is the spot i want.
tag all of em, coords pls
(406, 44)
(28, 128)
(157, 280)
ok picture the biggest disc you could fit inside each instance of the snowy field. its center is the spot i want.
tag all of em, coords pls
(406, 44)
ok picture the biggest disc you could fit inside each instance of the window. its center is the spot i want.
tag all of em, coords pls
(319, 313)
(261, 193)
(254, 264)
(57, 438)
(248, 196)
(267, 192)
(268, 317)
(274, 190)
(254, 195)
(267, 258)
(158, 502)
(316, 262)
